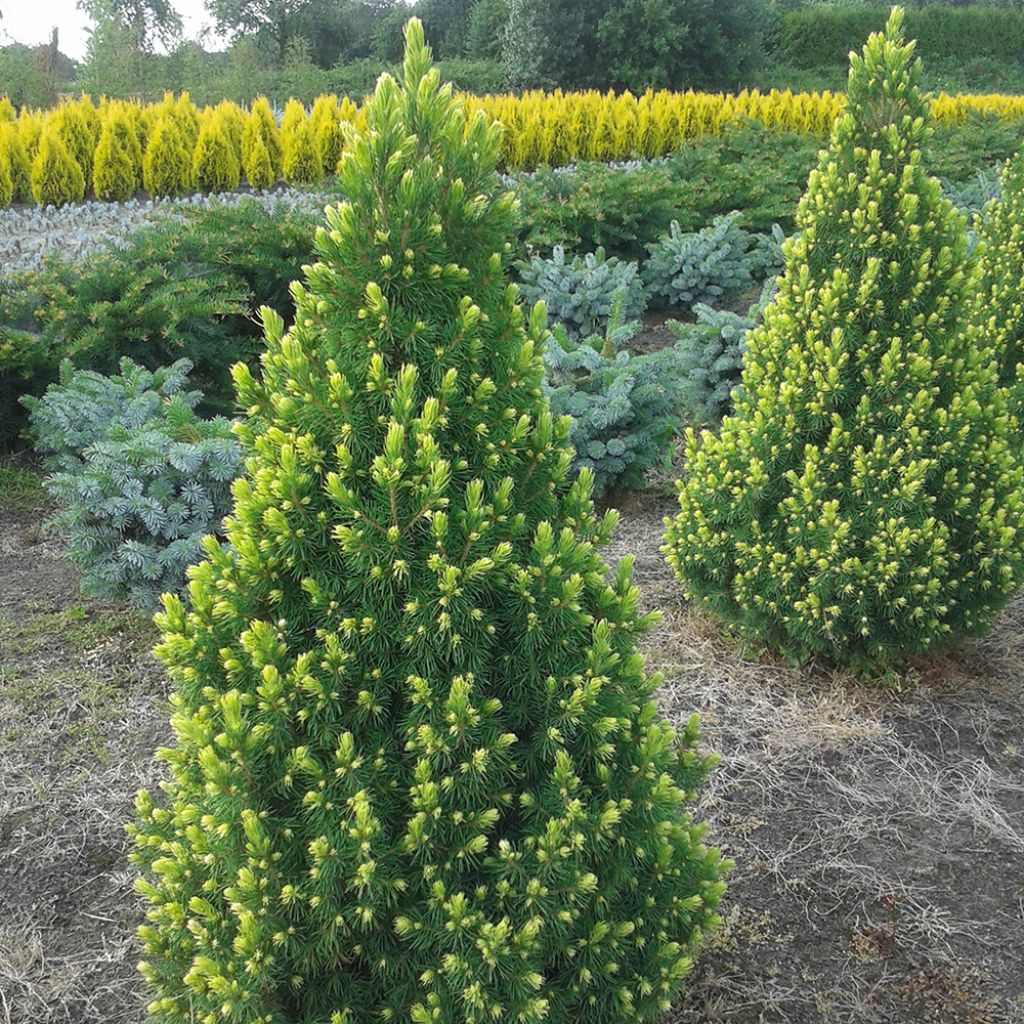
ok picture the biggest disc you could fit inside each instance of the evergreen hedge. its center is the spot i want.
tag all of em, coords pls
(818, 34)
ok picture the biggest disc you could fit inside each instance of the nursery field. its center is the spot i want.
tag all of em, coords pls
(878, 832)
(519, 559)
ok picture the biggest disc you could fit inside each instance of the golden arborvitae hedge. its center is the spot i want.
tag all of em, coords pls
(540, 128)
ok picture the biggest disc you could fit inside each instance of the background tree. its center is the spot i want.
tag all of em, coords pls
(485, 31)
(149, 20)
(684, 43)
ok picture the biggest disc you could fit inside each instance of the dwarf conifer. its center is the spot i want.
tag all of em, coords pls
(258, 170)
(261, 122)
(56, 177)
(862, 502)
(302, 163)
(418, 773)
(214, 164)
(114, 172)
(18, 164)
(167, 165)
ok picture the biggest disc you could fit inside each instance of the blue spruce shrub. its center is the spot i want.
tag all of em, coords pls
(624, 407)
(711, 265)
(710, 353)
(140, 477)
(580, 294)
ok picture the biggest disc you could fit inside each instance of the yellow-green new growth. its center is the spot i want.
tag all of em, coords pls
(418, 772)
(56, 177)
(167, 165)
(1000, 315)
(214, 164)
(115, 173)
(863, 502)
(302, 163)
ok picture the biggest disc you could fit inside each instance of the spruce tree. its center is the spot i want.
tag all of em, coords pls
(862, 503)
(1001, 293)
(418, 773)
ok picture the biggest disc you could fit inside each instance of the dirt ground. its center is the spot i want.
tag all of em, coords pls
(878, 831)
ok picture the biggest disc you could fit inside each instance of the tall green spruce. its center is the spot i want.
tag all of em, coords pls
(418, 773)
(1001, 256)
(862, 503)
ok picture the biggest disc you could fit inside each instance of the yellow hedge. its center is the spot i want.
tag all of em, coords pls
(553, 128)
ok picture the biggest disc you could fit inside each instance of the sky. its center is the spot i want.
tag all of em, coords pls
(30, 22)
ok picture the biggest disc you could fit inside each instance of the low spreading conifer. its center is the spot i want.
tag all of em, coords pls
(863, 502)
(419, 774)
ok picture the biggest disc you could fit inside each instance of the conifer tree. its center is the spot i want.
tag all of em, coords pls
(862, 503)
(326, 121)
(69, 123)
(1001, 293)
(114, 174)
(418, 772)
(261, 121)
(166, 167)
(7, 112)
(294, 115)
(214, 164)
(6, 183)
(301, 164)
(18, 164)
(258, 170)
(56, 177)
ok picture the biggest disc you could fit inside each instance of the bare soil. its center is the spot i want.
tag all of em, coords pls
(878, 830)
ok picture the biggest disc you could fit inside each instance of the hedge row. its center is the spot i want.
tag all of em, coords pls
(818, 35)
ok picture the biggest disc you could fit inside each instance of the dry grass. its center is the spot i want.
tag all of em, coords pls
(878, 833)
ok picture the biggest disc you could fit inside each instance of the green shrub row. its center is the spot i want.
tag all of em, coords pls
(822, 34)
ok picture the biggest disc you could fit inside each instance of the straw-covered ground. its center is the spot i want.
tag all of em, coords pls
(878, 831)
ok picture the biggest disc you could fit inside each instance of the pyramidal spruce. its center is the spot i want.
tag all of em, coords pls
(1001, 257)
(418, 773)
(863, 502)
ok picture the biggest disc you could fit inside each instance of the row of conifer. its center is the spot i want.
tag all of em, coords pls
(117, 149)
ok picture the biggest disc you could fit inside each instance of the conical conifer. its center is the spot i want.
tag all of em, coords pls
(258, 170)
(418, 774)
(862, 502)
(302, 164)
(1001, 292)
(115, 175)
(214, 164)
(56, 177)
(326, 122)
(19, 167)
(167, 166)
(261, 122)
